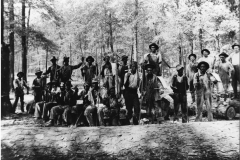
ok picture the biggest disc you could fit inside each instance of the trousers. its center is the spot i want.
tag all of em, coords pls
(132, 102)
(204, 96)
(16, 101)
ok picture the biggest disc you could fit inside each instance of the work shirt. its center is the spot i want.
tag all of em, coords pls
(18, 85)
(191, 70)
(65, 72)
(203, 80)
(133, 80)
(89, 72)
(153, 58)
(234, 58)
(179, 84)
(53, 72)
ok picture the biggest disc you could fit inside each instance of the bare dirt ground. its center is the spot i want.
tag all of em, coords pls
(22, 137)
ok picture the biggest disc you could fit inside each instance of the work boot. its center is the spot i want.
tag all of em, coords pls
(49, 123)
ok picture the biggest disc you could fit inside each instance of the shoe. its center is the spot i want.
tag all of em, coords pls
(49, 123)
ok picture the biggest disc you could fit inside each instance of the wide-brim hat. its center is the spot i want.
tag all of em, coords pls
(206, 51)
(235, 45)
(179, 66)
(53, 59)
(223, 54)
(155, 45)
(149, 66)
(20, 73)
(124, 57)
(90, 58)
(194, 55)
(203, 62)
(38, 71)
(65, 59)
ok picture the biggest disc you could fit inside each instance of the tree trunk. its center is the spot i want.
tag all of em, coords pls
(136, 31)
(6, 105)
(24, 44)
(27, 33)
(200, 39)
(11, 40)
(111, 32)
(2, 21)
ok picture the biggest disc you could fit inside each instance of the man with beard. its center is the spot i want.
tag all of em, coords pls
(89, 70)
(153, 58)
(179, 85)
(224, 69)
(152, 94)
(234, 59)
(202, 83)
(190, 71)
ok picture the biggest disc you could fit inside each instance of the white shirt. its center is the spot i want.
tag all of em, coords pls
(234, 58)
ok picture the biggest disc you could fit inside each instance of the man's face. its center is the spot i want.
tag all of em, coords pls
(66, 62)
(222, 58)
(124, 61)
(94, 85)
(150, 71)
(203, 68)
(39, 75)
(153, 49)
(134, 68)
(205, 53)
(89, 61)
(53, 62)
(192, 58)
(87, 87)
(180, 71)
(112, 92)
(236, 49)
(107, 59)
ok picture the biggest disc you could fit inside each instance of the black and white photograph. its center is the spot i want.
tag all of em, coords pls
(120, 79)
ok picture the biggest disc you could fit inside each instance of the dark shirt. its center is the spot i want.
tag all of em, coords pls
(180, 86)
(53, 72)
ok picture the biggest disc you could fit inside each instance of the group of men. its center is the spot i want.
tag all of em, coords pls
(58, 102)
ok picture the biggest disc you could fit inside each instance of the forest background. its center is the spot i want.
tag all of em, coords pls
(37, 30)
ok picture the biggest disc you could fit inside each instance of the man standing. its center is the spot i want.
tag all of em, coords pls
(52, 70)
(38, 86)
(208, 59)
(190, 71)
(179, 85)
(202, 83)
(234, 59)
(19, 83)
(65, 72)
(123, 69)
(153, 58)
(152, 94)
(131, 84)
(107, 73)
(224, 69)
(89, 71)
